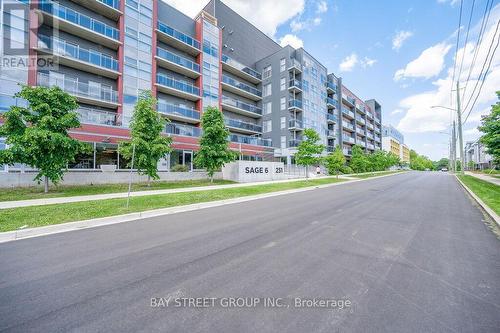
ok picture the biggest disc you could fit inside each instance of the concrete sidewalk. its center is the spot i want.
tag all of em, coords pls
(93, 197)
(484, 177)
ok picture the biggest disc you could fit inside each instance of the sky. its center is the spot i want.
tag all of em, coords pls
(402, 53)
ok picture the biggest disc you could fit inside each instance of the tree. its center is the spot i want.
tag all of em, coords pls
(214, 147)
(490, 126)
(37, 135)
(309, 150)
(442, 163)
(335, 161)
(145, 134)
(470, 165)
(419, 162)
(359, 162)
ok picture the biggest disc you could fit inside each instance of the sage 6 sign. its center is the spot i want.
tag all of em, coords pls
(253, 171)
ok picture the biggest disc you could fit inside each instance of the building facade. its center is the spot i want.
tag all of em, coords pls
(475, 152)
(104, 52)
(393, 141)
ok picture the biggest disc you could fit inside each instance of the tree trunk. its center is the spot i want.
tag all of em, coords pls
(149, 181)
(211, 178)
(337, 174)
(46, 184)
(307, 172)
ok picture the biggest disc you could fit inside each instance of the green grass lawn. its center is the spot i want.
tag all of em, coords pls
(25, 193)
(375, 174)
(37, 216)
(486, 191)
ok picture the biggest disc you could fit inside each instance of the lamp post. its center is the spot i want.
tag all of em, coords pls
(454, 142)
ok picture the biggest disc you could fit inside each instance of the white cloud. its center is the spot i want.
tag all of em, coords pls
(420, 117)
(291, 40)
(317, 21)
(298, 24)
(451, 2)
(399, 38)
(349, 63)
(428, 64)
(353, 60)
(397, 111)
(321, 7)
(265, 15)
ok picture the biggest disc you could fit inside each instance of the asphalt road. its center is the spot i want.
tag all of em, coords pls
(411, 252)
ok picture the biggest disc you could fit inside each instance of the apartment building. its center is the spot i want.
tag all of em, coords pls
(393, 141)
(106, 51)
(475, 152)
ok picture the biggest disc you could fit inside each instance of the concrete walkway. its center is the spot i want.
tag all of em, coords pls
(93, 197)
(484, 177)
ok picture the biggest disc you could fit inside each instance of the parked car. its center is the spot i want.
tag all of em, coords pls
(444, 170)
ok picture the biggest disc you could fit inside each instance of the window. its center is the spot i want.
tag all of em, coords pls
(267, 108)
(266, 73)
(283, 103)
(282, 65)
(283, 141)
(267, 126)
(283, 122)
(267, 90)
(283, 83)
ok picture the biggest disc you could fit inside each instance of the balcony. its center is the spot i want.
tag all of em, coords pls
(171, 86)
(242, 126)
(84, 93)
(331, 103)
(233, 105)
(370, 146)
(295, 65)
(348, 126)
(177, 39)
(377, 120)
(295, 105)
(370, 126)
(250, 140)
(331, 134)
(78, 24)
(179, 113)
(240, 70)
(360, 131)
(330, 149)
(349, 100)
(178, 64)
(370, 136)
(369, 115)
(295, 86)
(377, 129)
(360, 120)
(331, 118)
(108, 8)
(348, 139)
(98, 117)
(182, 130)
(240, 88)
(347, 151)
(294, 143)
(331, 88)
(74, 56)
(295, 125)
(348, 113)
(377, 138)
(360, 108)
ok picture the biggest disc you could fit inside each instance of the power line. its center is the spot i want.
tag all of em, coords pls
(484, 24)
(458, 41)
(466, 39)
(486, 73)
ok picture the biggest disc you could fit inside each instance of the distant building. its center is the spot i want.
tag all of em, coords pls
(475, 152)
(393, 141)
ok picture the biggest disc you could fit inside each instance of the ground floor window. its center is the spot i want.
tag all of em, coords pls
(182, 157)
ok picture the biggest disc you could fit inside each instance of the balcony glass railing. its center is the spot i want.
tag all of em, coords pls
(360, 130)
(112, 3)
(377, 120)
(74, 87)
(175, 110)
(241, 67)
(250, 140)
(294, 63)
(331, 85)
(348, 112)
(370, 146)
(360, 119)
(369, 135)
(347, 125)
(241, 85)
(294, 143)
(330, 133)
(351, 100)
(369, 115)
(295, 103)
(78, 19)
(176, 84)
(295, 83)
(331, 101)
(242, 124)
(183, 130)
(331, 117)
(348, 138)
(347, 151)
(241, 105)
(98, 117)
(178, 35)
(295, 123)
(64, 48)
(6, 101)
(181, 61)
(370, 126)
(330, 149)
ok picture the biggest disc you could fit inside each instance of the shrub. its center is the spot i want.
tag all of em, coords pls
(179, 168)
(346, 169)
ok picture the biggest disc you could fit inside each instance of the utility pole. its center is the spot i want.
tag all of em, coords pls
(453, 150)
(460, 140)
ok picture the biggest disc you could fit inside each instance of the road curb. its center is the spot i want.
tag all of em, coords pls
(103, 221)
(481, 203)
